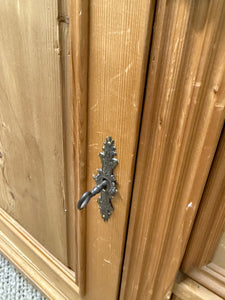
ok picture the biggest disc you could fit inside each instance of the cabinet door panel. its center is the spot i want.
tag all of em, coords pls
(49, 149)
(32, 166)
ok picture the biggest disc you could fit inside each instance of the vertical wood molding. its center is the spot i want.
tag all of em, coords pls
(182, 121)
(67, 120)
(78, 15)
(210, 220)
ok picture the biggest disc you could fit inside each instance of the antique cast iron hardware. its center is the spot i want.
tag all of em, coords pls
(106, 182)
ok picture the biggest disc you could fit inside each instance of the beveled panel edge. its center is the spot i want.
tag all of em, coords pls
(78, 12)
(209, 278)
(39, 266)
(188, 288)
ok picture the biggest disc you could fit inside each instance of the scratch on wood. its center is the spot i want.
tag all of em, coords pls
(128, 67)
(123, 73)
(107, 261)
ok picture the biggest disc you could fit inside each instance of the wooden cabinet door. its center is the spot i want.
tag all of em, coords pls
(72, 73)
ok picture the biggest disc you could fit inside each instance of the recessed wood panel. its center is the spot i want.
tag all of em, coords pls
(32, 188)
(48, 274)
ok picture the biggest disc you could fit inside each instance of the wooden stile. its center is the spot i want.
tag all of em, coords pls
(118, 53)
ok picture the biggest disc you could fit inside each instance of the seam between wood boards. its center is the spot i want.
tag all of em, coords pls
(148, 54)
(78, 12)
(67, 127)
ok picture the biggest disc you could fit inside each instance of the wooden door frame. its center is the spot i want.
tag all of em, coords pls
(182, 121)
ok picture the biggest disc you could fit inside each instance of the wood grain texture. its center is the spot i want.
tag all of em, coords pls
(210, 220)
(68, 129)
(79, 37)
(220, 270)
(182, 121)
(191, 290)
(219, 255)
(48, 274)
(31, 131)
(211, 277)
(119, 43)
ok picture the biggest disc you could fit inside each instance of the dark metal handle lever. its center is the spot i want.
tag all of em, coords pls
(105, 180)
(88, 195)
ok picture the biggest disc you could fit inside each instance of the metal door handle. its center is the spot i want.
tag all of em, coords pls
(88, 195)
(106, 182)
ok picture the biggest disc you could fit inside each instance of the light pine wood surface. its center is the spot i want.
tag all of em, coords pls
(32, 177)
(78, 12)
(119, 40)
(190, 290)
(208, 227)
(47, 273)
(210, 220)
(210, 276)
(182, 121)
(68, 131)
(219, 255)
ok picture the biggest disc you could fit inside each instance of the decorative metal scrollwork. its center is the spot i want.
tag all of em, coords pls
(106, 182)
